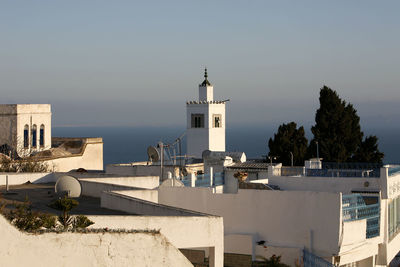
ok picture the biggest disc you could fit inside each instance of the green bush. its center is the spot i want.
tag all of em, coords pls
(27, 220)
(81, 221)
(65, 205)
(48, 221)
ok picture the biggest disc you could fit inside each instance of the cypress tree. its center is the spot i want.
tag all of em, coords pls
(338, 133)
(288, 140)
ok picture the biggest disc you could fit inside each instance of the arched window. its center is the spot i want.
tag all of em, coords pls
(34, 136)
(26, 136)
(41, 136)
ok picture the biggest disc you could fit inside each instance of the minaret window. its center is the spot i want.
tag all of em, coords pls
(41, 136)
(26, 136)
(34, 136)
(217, 121)
(197, 120)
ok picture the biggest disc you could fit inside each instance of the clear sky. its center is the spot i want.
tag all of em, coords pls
(131, 63)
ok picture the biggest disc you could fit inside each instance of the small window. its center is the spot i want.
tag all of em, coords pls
(197, 120)
(41, 136)
(217, 118)
(26, 136)
(34, 136)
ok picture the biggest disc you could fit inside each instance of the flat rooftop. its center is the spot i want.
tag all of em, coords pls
(40, 195)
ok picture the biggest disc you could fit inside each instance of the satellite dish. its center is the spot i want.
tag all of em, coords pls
(68, 185)
(173, 182)
(153, 154)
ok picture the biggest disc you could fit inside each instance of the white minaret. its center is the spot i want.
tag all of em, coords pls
(205, 122)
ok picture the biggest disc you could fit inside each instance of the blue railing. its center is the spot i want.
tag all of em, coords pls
(311, 260)
(185, 181)
(203, 180)
(219, 178)
(393, 170)
(343, 173)
(355, 208)
(372, 227)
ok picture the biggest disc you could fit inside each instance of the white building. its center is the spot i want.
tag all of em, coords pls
(25, 128)
(205, 122)
(25, 131)
(323, 217)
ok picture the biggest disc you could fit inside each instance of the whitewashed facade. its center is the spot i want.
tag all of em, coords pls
(205, 122)
(26, 128)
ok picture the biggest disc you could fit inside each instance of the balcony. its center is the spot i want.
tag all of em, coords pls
(354, 208)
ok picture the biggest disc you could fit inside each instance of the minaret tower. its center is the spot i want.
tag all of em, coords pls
(205, 122)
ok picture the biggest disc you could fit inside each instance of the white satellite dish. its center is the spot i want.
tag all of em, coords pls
(173, 182)
(68, 185)
(153, 154)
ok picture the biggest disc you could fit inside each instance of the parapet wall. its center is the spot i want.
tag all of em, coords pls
(16, 178)
(91, 249)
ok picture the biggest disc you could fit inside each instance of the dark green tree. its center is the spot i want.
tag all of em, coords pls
(338, 133)
(337, 128)
(289, 140)
(368, 151)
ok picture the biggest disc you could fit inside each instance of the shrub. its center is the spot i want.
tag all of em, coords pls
(27, 220)
(65, 205)
(81, 221)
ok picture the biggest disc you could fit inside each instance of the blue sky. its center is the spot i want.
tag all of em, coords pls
(107, 63)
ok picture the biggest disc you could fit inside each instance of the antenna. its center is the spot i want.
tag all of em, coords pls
(153, 154)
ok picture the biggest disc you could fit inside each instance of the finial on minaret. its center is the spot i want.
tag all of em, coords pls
(205, 82)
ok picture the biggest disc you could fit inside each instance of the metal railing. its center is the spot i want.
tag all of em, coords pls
(219, 178)
(292, 171)
(393, 170)
(311, 260)
(372, 227)
(354, 208)
(203, 180)
(351, 173)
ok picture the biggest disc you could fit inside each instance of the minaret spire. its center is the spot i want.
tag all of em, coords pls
(205, 82)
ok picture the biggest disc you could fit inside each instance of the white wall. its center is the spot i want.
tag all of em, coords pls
(206, 93)
(239, 243)
(148, 182)
(13, 119)
(23, 177)
(92, 249)
(283, 218)
(325, 184)
(182, 232)
(34, 114)
(148, 195)
(95, 189)
(139, 169)
(217, 135)
(200, 139)
(91, 159)
(8, 125)
(197, 139)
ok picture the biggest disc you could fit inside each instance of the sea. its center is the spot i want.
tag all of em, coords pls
(129, 144)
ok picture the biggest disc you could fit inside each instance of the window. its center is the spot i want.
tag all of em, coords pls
(34, 136)
(26, 136)
(217, 118)
(41, 136)
(197, 120)
(394, 217)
